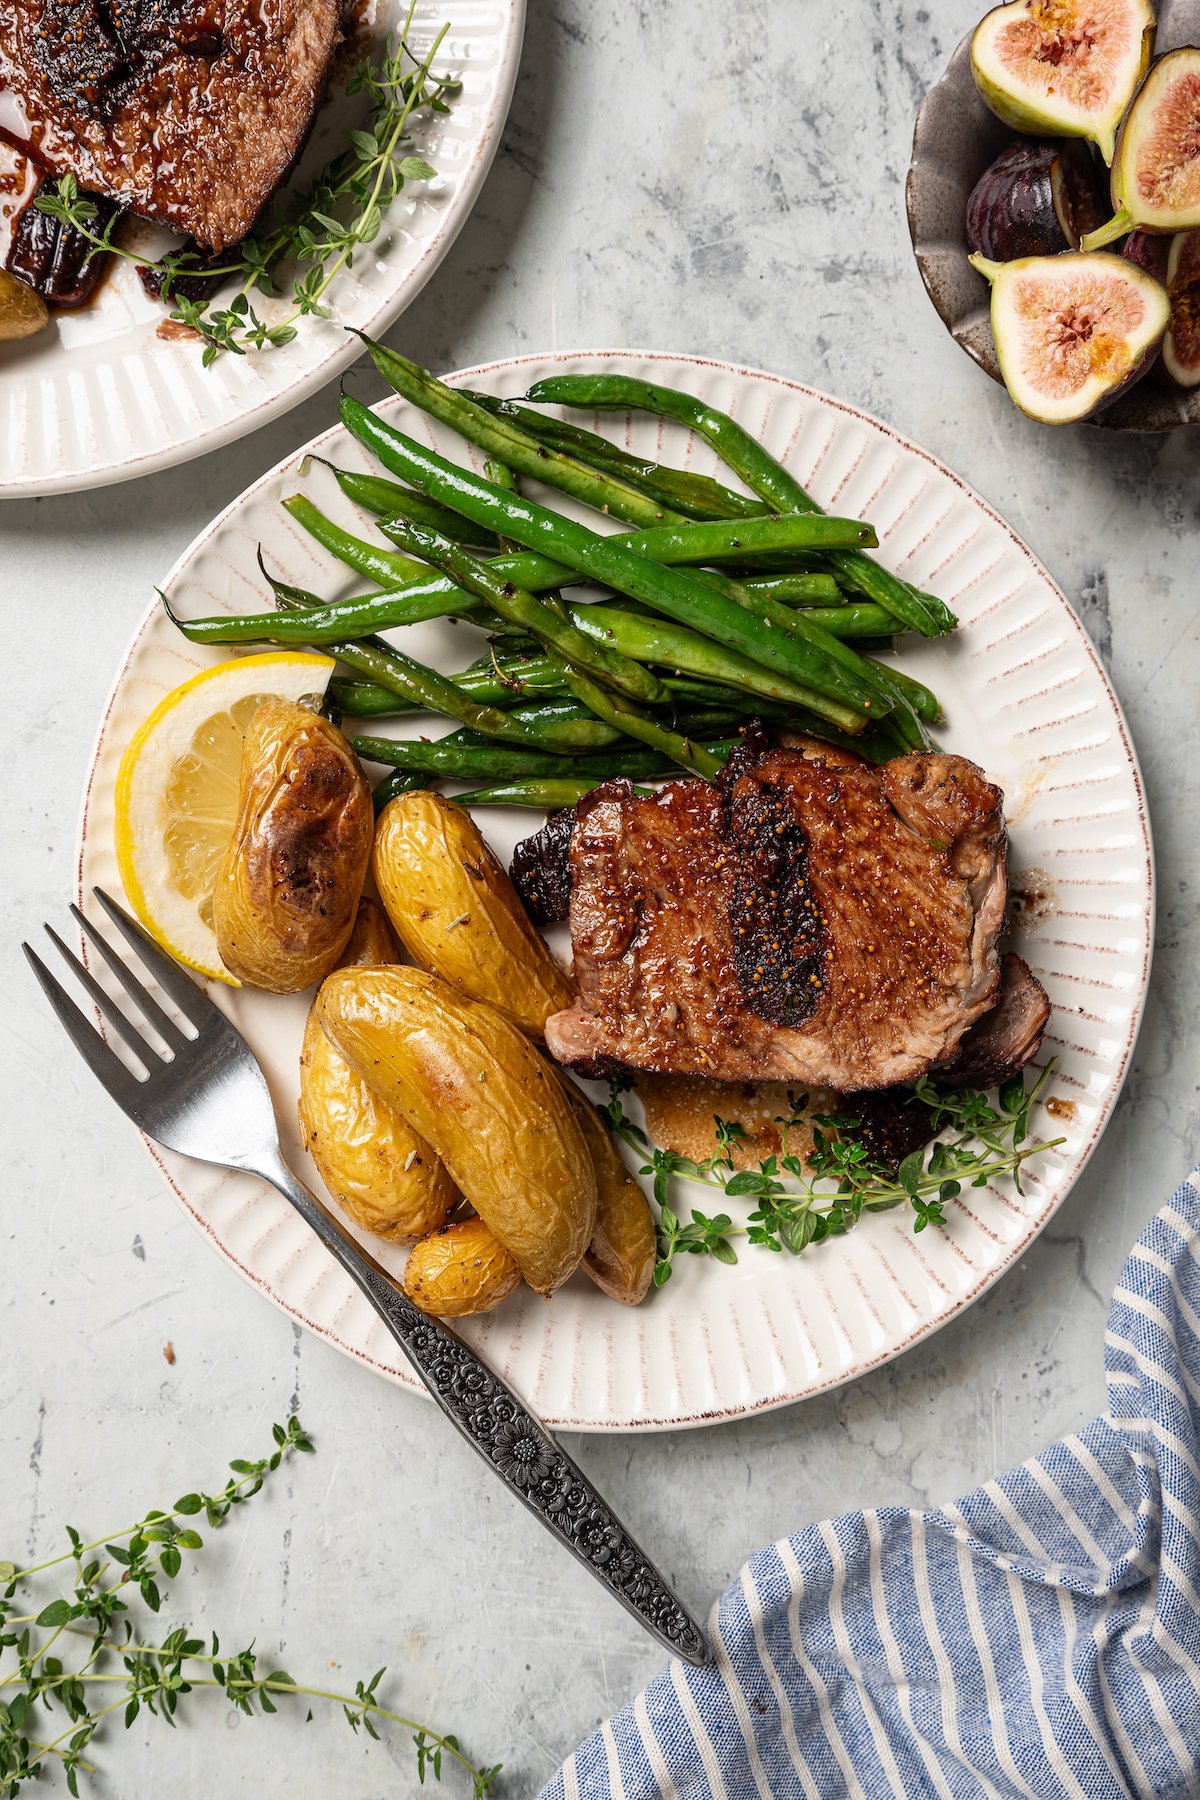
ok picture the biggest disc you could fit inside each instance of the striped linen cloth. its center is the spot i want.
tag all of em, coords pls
(1039, 1637)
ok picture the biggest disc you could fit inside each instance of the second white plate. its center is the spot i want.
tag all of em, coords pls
(1025, 697)
(100, 396)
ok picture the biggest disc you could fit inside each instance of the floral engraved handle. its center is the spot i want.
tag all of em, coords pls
(528, 1461)
(506, 1434)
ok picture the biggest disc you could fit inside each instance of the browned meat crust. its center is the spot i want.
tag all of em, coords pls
(189, 111)
(832, 925)
(1008, 1036)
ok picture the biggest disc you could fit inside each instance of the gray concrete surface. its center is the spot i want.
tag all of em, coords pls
(709, 178)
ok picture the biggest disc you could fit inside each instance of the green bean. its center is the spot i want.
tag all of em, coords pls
(543, 622)
(698, 496)
(394, 690)
(615, 710)
(423, 687)
(804, 589)
(502, 763)
(716, 540)
(804, 622)
(683, 733)
(572, 725)
(388, 500)
(758, 469)
(545, 796)
(491, 681)
(923, 701)
(400, 781)
(384, 566)
(609, 561)
(689, 652)
(503, 477)
(502, 439)
(853, 621)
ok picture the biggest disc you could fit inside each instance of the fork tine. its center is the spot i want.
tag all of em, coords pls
(187, 994)
(104, 1063)
(107, 1005)
(133, 987)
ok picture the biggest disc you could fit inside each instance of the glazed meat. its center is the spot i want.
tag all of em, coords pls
(1008, 1036)
(190, 112)
(796, 921)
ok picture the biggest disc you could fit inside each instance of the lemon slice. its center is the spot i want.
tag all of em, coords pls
(177, 792)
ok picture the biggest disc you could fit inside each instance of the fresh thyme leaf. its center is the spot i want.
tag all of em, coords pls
(157, 1677)
(802, 1201)
(321, 227)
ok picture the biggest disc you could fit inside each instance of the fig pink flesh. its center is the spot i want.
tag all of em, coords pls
(1075, 331)
(1070, 51)
(1168, 157)
(1183, 334)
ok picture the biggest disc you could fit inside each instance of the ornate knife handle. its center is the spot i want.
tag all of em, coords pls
(515, 1445)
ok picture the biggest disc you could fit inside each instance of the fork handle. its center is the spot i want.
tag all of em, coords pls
(515, 1445)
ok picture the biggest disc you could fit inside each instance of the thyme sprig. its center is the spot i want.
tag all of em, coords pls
(320, 229)
(804, 1199)
(155, 1677)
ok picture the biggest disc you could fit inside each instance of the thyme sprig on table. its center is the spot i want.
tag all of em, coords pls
(802, 1200)
(320, 229)
(153, 1676)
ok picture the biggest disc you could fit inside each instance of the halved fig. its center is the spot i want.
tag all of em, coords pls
(1034, 200)
(1072, 331)
(1156, 170)
(1181, 346)
(1063, 66)
(1148, 252)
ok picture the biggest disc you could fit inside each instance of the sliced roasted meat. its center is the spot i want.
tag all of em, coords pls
(1007, 1037)
(541, 863)
(831, 925)
(190, 112)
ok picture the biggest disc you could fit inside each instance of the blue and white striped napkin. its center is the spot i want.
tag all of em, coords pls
(1038, 1638)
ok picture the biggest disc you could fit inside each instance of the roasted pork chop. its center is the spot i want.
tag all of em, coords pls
(190, 112)
(797, 921)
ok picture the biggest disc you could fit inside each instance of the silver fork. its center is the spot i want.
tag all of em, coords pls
(206, 1097)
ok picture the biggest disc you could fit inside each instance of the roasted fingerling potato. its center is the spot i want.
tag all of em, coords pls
(472, 1085)
(378, 1169)
(372, 941)
(624, 1248)
(460, 1270)
(288, 887)
(457, 913)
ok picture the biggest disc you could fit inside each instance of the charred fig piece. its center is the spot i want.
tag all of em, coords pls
(1071, 331)
(1181, 346)
(1034, 200)
(1069, 67)
(55, 258)
(1156, 170)
(22, 312)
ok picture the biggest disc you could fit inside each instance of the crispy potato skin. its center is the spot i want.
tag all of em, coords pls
(460, 1270)
(457, 913)
(377, 1168)
(624, 1249)
(288, 887)
(492, 1109)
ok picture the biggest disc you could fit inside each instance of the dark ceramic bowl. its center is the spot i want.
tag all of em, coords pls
(956, 137)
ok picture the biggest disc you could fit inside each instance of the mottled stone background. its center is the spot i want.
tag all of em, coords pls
(702, 177)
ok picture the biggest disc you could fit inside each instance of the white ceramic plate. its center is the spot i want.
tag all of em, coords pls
(1026, 698)
(100, 397)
